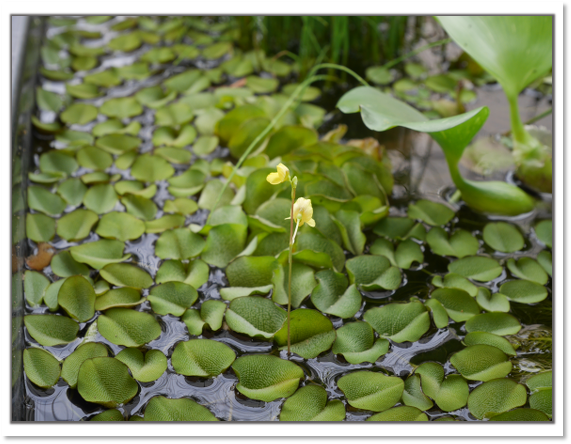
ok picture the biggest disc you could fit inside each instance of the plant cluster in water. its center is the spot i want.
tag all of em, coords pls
(149, 167)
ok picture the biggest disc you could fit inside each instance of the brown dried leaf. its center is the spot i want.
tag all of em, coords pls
(42, 258)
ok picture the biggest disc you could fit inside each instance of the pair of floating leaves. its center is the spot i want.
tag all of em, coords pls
(459, 244)
(202, 357)
(372, 272)
(371, 391)
(312, 333)
(432, 213)
(541, 392)
(123, 326)
(194, 273)
(172, 298)
(400, 228)
(211, 314)
(405, 254)
(146, 367)
(399, 322)
(126, 275)
(125, 297)
(255, 316)
(72, 364)
(309, 403)
(356, 342)
(334, 296)
(450, 393)
(281, 377)
(528, 268)
(99, 253)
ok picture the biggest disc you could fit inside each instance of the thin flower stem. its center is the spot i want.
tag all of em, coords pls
(290, 263)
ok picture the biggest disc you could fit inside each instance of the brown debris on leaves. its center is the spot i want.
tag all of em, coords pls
(42, 258)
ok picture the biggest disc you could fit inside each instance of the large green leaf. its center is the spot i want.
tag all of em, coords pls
(311, 333)
(401, 413)
(356, 342)
(106, 381)
(41, 367)
(121, 108)
(35, 285)
(399, 322)
(72, 364)
(503, 237)
(334, 296)
(100, 198)
(302, 283)
(202, 357)
(77, 297)
(501, 324)
(450, 393)
(495, 397)
(479, 268)
(41, 199)
(528, 268)
(120, 226)
(459, 304)
(145, 368)
(131, 328)
(371, 391)
(523, 291)
(309, 403)
(194, 273)
(39, 227)
(51, 330)
(459, 244)
(165, 409)
(126, 275)
(99, 253)
(481, 363)
(172, 297)
(255, 316)
(266, 377)
(372, 272)
(118, 297)
(64, 265)
(180, 243)
(516, 50)
(76, 225)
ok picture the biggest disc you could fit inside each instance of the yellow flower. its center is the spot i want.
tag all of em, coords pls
(281, 176)
(303, 211)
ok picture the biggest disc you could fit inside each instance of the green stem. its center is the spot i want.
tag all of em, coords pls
(519, 133)
(396, 61)
(290, 264)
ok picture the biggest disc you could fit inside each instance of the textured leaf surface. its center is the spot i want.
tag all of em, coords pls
(202, 357)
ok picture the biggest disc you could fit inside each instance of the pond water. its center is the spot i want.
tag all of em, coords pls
(420, 171)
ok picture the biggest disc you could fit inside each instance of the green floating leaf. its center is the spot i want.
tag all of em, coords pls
(371, 391)
(57, 162)
(501, 324)
(106, 381)
(125, 42)
(522, 414)
(170, 137)
(309, 403)
(131, 328)
(204, 145)
(432, 213)
(459, 305)
(334, 296)
(114, 126)
(503, 237)
(145, 368)
(439, 313)
(56, 75)
(64, 265)
(76, 225)
(119, 297)
(118, 143)
(399, 322)
(372, 272)
(211, 314)
(356, 342)
(450, 393)
(83, 90)
(120, 226)
(406, 252)
(289, 138)
(379, 75)
(281, 377)
(180, 205)
(480, 337)
(495, 397)
(77, 297)
(459, 244)
(525, 292)
(50, 330)
(528, 268)
(202, 357)
(413, 395)
(158, 55)
(72, 364)
(317, 251)
(349, 224)
(74, 139)
(72, 191)
(48, 101)
(35, 285)
(544, 232)
(100, 198)
(545, 260)
(174, 115)
(79, 113)
(180, 243)
(41, 199)
(172, 297)
(233, 119)
(481, 363)
(99, 253)
(41, 367)
(542, 393)
(49, 128)
(452, 280)
(194, 273)
(191, 182)
(164, 223)
(251, 271)
(402, 413)
(311, 333)
(121, 108)
(126, 275)
(140, 207)
(160, 408)
(302, 283)
(255, 316)
(149, 168)
(400, 228)
(94, 158)
(108, 415)
(224, 243)
(478, 268)
(492, 302)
